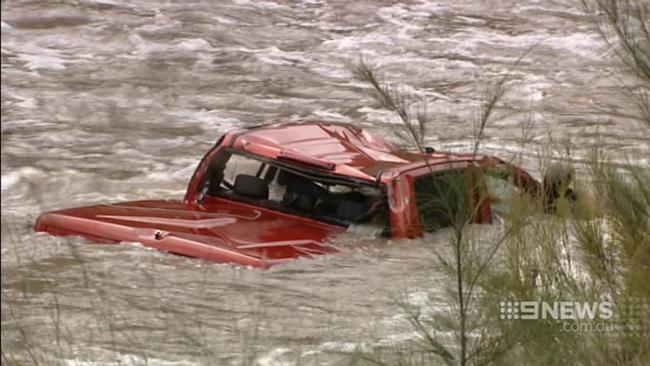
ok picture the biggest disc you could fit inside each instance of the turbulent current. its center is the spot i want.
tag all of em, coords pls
(110, 100)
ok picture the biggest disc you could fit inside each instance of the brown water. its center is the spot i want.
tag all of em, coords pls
(109, 100)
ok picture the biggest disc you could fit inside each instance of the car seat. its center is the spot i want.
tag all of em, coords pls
(353, 206)
(251, 186)
(301, 193)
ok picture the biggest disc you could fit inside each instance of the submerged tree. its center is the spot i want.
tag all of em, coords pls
(460, 336)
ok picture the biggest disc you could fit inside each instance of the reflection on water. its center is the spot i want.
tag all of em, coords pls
(109, 100)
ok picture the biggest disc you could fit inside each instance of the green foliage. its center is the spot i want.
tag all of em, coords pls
(446, 201)
(624, 25)
(413, 120)
(594, 249)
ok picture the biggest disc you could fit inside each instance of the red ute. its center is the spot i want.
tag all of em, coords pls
(269, 194)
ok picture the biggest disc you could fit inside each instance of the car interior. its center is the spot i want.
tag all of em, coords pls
(296, 191)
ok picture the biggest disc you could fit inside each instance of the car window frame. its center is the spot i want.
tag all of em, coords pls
(303, 172)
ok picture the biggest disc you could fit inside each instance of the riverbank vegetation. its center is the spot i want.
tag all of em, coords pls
(593, 248)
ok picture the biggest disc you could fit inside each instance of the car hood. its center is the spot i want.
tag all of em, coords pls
(221, 231)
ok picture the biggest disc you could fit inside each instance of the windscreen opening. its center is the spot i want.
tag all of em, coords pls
(245, 178)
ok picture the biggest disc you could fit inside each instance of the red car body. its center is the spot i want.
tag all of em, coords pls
(224, 227)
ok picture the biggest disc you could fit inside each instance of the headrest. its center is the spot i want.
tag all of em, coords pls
(298, 184)
(283, 177)
(251, 186)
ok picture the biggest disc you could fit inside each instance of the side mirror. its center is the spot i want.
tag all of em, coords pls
(557, 184)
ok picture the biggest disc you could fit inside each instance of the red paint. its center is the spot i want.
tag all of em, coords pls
(224, 230)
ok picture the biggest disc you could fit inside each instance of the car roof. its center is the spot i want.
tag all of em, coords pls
(351, 150)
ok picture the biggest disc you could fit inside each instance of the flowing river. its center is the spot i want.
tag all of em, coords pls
(111, 100)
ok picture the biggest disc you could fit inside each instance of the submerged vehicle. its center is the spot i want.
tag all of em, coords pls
(268, 194)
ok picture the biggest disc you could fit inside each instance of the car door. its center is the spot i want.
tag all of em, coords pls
(451, 198)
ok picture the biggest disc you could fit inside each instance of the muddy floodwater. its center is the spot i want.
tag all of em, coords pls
(110, 100)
